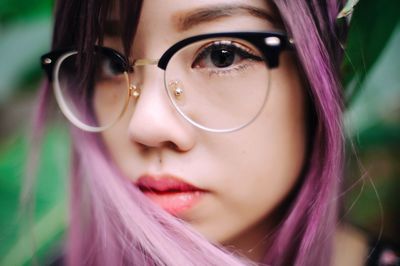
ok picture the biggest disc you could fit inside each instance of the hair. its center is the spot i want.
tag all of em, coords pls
(112, 223)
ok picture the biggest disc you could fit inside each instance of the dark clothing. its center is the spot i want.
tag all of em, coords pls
(383, 254)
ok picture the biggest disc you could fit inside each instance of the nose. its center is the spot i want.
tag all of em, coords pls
(154, 122)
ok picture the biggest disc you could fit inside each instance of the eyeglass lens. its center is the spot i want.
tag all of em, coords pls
(216, 84)
(97, 98)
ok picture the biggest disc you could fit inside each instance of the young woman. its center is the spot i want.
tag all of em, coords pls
(204, 132)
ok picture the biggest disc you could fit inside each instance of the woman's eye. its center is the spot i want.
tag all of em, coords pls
(223, 55)
(108, 68)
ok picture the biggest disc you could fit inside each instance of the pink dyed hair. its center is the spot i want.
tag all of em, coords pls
(112, 223)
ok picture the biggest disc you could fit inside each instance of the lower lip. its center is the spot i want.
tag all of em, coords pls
(175, 202)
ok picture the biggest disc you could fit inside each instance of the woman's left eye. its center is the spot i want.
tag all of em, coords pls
(223, 54)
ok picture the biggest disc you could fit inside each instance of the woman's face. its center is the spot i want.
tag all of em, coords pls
(242, 176)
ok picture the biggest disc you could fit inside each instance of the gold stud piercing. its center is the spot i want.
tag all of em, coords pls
(178, 92)
(134, 91)
(176, 89)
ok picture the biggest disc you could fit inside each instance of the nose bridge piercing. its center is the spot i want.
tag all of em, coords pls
(176, 88)
(134, 91)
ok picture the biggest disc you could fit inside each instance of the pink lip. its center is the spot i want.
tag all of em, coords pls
(170, 193)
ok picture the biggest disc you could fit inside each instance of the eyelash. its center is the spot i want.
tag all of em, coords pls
(230, 71)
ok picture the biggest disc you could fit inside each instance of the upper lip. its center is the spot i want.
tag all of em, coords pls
(164, 183)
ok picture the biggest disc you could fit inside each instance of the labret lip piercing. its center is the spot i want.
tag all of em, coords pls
(176, 89)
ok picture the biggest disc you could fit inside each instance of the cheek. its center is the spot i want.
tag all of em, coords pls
(263, 161)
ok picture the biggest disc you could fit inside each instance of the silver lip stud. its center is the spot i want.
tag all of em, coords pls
(47, 61)
(272, 41)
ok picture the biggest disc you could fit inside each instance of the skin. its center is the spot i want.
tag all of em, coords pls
(351, 247)
(247, 173)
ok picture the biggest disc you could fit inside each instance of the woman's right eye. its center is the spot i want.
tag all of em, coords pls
(110, 68)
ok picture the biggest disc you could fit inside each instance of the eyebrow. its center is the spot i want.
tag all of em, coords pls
(186, 20)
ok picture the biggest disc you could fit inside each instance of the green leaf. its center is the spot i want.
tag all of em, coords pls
(372, 25)
(378, 100)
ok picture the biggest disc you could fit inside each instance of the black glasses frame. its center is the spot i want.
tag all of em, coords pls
(271, 44)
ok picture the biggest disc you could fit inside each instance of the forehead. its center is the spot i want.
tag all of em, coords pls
(182, 16)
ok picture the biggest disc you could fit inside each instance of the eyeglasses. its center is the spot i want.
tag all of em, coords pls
(218, 82)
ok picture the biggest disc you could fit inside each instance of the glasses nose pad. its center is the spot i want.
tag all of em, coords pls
(134, 91)
(176, 91)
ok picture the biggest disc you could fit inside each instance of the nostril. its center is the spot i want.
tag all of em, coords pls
(171, 145)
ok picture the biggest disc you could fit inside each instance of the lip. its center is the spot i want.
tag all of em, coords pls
(169, 192)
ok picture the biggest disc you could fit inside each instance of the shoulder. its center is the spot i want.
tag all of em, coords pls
(353, 247)
(350, 247)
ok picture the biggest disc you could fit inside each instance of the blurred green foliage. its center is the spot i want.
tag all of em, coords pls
(16, 241)
(14, 10)
(372, 81)
(372, 25)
